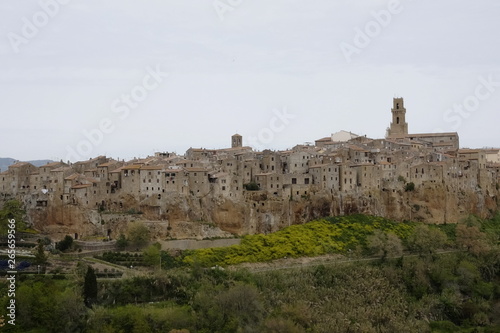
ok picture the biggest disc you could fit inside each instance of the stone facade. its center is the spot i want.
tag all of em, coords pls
(212, 185)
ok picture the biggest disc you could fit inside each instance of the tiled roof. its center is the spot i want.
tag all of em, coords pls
(80, 186)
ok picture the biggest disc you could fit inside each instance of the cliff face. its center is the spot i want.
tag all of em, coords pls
(186, 216)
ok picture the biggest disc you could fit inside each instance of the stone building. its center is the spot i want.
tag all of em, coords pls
(347, 172)
(398, 131)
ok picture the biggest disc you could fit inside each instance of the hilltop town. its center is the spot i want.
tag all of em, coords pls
(219, 192)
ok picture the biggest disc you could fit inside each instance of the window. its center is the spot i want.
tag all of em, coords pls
(294, 180)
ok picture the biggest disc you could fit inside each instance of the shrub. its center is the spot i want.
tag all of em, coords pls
(409, 187)
(65, 244)
(252, 186)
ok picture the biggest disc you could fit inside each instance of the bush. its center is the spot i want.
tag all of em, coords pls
(332, 235)
(410, 187)
(252, 186)
(65, 244)
(122, 242)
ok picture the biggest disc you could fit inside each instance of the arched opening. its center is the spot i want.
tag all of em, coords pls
(397, 120)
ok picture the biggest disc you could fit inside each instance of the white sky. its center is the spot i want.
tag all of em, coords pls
(232, 75)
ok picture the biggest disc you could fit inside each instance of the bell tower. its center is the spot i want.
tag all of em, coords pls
(236, 141)
(399, 126)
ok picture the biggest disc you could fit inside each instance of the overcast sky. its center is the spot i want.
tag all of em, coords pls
(127, 78)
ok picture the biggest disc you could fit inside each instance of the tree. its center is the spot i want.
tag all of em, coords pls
(40, 256)
(122, 242)
(138, 234)
(12, 210)
(472, 239)
(90, 287)
(226, 310)
(385, 245)
(425, 240)
(410, 187)
(65, 244)
(151, 254)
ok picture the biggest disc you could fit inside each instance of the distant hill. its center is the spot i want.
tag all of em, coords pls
(6, 161)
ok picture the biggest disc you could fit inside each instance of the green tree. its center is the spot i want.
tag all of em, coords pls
(46, 305)
(236, 309)
(12, 210)
(40, 256)
(410, 187)
(151, 254)
(65, 244)
(138, 234)
(122, 242)
(472, 239)
(90, 287)
(385, 244)
(425, 240)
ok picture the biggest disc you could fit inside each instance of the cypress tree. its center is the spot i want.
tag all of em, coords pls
(90, 287)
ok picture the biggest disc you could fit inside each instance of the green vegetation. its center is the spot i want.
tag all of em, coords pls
(123, 258)
(422, 291)
(12, 210)
(40, 256)
(252, 186)
(137, 234)
(331, 235)
(66, 244)
(152, 255)
(90, 287)
(122, 242)
(410, 187)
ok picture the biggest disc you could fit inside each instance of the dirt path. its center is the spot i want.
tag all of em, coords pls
(296, 263)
